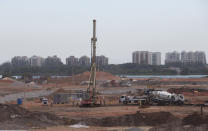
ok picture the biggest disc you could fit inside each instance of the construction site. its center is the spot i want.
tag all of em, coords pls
(101, 101)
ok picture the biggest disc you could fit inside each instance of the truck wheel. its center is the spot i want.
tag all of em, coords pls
(125, 102)
(180, 102)
(173, 99)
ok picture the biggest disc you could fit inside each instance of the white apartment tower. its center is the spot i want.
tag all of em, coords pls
(198, 57)
(156, 58)
(146, 58)
(36, 61)
(172, 57)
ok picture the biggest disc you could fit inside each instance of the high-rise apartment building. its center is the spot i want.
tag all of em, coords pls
(20, 61)
(53, 61)
(142, 57)
(101, 60)
(200, 57)
(36, 61)
(172, 58)
(156, 58)
(188, 58)
(84, 60)
(72, 60)
(146, 58)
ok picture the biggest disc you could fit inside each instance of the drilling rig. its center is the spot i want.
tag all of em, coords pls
(90, 98)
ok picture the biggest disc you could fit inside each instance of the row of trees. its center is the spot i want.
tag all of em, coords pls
(120, 69)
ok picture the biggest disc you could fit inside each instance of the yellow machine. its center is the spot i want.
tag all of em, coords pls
(91, 98)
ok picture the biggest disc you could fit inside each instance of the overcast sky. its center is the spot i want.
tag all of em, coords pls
(64, 27)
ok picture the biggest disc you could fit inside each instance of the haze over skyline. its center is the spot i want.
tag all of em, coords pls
(64, 27)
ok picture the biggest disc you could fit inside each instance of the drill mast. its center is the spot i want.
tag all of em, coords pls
(92, 82)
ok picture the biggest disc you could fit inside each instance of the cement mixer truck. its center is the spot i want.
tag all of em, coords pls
(155, 97)
(164, 97)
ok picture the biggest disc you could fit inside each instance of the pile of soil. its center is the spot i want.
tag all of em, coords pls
(99, 76)
(16, 117)
(138, 119)
(77, 79)
(4, 83)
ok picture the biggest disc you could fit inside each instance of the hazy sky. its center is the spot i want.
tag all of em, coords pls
(64, 27)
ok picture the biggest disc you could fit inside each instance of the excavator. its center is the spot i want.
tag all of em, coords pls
(90, 97)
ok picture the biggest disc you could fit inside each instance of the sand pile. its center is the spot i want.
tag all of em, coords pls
(16, 117)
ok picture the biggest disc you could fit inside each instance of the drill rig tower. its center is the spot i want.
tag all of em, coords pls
(91, 98)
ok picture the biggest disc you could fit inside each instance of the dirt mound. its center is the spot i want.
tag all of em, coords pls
(138, 119)
(195, 119)
(77, 79)
(103, 76)
(6, 81)
(16, 117)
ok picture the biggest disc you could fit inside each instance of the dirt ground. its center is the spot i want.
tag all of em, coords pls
(110, 110)
(113, 116)
(68, 128)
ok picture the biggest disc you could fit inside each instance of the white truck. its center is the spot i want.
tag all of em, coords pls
(154, 97)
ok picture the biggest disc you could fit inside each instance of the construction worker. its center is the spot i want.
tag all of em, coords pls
(140, 104)
(51, 103)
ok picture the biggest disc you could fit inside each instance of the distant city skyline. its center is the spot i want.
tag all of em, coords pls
(163, 55)
(139, 57)
(64, 28)
(38, 61)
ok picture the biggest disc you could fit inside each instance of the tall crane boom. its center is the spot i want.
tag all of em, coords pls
(93, 64)
(91, 98)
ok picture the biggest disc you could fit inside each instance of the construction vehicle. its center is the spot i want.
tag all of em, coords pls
(154, 97)
(90, 98)
(133, 99)
(164, 97)
(114, 83)
(45, 101)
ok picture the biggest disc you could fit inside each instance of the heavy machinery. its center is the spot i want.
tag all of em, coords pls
(154, 97)
(132, 99)
(90, 98)
(164, 97)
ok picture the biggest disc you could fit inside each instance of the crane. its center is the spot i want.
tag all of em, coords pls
(90, 99)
